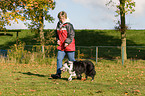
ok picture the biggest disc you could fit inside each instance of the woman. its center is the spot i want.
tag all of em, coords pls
(66, 43)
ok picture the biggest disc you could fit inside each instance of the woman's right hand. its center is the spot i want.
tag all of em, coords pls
(58, 42)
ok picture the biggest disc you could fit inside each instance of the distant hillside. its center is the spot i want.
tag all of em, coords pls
(109, 38)
(83, 38)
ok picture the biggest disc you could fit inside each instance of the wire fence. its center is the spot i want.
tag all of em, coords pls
(95, 52)
(110, 52)
(88, 52)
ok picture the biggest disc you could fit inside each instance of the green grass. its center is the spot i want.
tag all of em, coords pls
(7, 41)
(83, 38)
(109, 38)
(112, 79)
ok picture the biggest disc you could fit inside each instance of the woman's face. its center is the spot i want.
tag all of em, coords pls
(62, 19)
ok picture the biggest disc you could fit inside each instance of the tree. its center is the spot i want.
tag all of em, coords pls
(34, 10)
(124, 7)
(9, 11)
(37, 11)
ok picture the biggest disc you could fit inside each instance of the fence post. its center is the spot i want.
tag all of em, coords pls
(78, 53)
(43, 51)
(42, 48)
(122, 55)
(96, 55)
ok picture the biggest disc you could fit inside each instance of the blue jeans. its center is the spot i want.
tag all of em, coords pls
(60, 57)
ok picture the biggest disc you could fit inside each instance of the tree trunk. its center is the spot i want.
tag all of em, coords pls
(42, 39)
(123, 29)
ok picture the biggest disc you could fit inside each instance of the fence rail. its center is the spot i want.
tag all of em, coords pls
(100, 52)
(91, 52)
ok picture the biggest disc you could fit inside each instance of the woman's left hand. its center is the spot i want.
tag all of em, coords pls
(65, 45)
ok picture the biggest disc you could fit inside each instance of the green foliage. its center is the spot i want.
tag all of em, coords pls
(22, 54)
(129, 7)
(33, 10)
(10, 10)
(123, 8)
(17, 52)
(36, 11)
(126, 6)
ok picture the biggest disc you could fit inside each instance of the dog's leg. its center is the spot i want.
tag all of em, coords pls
(70, 78)
(79, 76)
(70, 71)
(71, 74)
(64, 67)
(92, 78)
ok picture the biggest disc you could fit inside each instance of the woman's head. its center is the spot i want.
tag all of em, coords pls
(62, 16)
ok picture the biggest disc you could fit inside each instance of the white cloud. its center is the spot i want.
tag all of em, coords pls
(93, 4)
(106, 13)
(140, 7)
(100, 14)
(15, 25)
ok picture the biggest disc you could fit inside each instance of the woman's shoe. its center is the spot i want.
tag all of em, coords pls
(56, 76)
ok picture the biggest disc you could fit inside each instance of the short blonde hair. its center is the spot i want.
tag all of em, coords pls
(62, 14)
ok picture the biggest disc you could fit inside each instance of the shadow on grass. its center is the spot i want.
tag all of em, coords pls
(50, 78)
(33, 74)
(39, 75)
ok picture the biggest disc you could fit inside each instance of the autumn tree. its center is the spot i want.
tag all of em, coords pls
(9, 10)
(123, 8)
(36, 11)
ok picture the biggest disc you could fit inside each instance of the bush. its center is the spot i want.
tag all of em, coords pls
(30, 54)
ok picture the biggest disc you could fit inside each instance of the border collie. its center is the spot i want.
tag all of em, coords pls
(76, 68)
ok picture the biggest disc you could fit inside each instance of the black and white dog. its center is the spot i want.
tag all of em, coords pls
(76, 68)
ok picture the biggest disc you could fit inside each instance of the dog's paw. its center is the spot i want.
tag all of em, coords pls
(92, 80)
(69, 79)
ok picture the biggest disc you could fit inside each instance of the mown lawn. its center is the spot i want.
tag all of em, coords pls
(112, 79)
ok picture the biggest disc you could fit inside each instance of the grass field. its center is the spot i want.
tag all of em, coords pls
(89, 38)
(112, 79)
(83, 38)
(109, 38)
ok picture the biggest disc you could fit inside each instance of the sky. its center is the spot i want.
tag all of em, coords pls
(92, 14)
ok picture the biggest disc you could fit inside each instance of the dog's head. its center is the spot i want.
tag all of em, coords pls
(66, 66)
